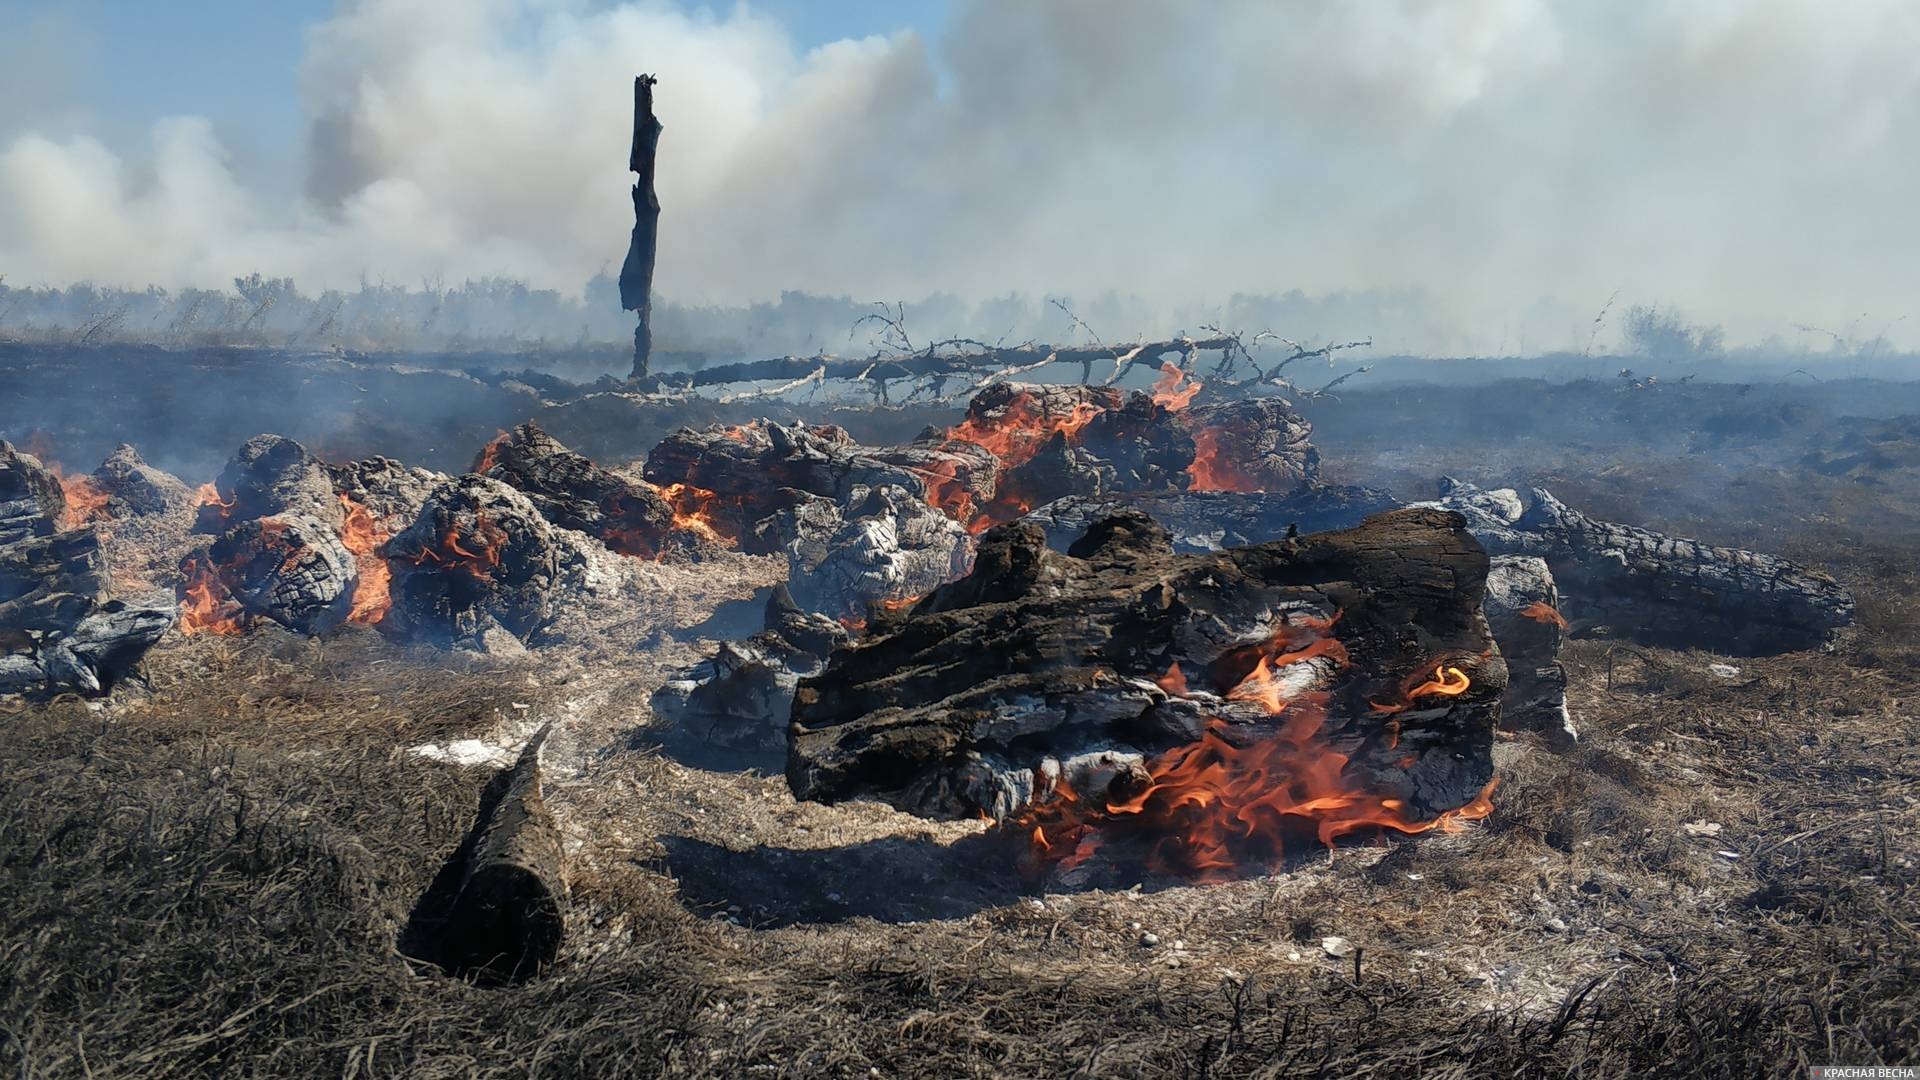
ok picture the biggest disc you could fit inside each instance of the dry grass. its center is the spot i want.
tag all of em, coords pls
(210, 881)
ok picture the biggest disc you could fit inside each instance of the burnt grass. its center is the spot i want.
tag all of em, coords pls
(212, 879)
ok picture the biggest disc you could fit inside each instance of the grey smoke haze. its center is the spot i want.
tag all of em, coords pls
(1507, 163)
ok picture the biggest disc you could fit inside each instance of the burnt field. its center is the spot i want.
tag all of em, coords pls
(229, 865)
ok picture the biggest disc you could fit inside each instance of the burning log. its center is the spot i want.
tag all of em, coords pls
(629, 516)
(290, 568)
(479, 559)
(740, 697)
(748, 473)
(882, 544)
(271, 475)
(1351, 670)
(508, 918)
(1657, 589)
(58, 629)
(1253, 445)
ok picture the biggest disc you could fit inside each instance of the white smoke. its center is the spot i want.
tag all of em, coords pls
(1510, 162)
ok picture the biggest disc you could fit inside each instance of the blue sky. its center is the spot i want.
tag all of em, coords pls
(127, 63)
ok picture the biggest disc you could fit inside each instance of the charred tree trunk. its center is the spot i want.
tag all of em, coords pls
(636, 274)
(506, 921)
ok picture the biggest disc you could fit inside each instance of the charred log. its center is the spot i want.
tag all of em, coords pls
(1523, 609)
(1036, 660)
(478, 560)
(628, 516)
(508, 918)
(1655, 589)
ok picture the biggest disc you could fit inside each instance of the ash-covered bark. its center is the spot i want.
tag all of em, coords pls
(389, 490)
(1659, 590)
(1036, 657)
(137, 489)
(882, 544)
(31, 499)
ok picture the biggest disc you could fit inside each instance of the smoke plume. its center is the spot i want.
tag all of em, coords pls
(1500, 167)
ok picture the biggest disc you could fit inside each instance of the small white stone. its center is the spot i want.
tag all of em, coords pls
(1725, 671)
(1557, 925)
(1336, 946)
(1149, 939)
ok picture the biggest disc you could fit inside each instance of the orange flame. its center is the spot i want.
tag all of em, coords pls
(1168, 393)
(85, 501)
(1446, 681)
(490, 454)
(692, 508)
(898, 603)
(1212, 470)
(206, 605)
(1543, 612)
(1020, 433)
(1221, 802)
(451, 552)
(362, 535)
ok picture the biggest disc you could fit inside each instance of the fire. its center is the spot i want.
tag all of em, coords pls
(206, 605)
(1019, 434)
(692, 508)
(1215, 805)
(1541, 611)
(207, 495)
(85, 501)
(898, 603)
(490, 454)
(484, 535)
(1213, 470)
(1446, 681)
(1168, 393)
(363, 536)
(1231, 799)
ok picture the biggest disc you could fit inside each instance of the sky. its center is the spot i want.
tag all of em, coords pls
(1475, 171)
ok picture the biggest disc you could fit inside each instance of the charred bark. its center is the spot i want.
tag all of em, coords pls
(636, 273)
(508, 919)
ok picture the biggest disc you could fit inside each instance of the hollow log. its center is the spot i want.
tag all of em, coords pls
(1037, 660)
(508, 918)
